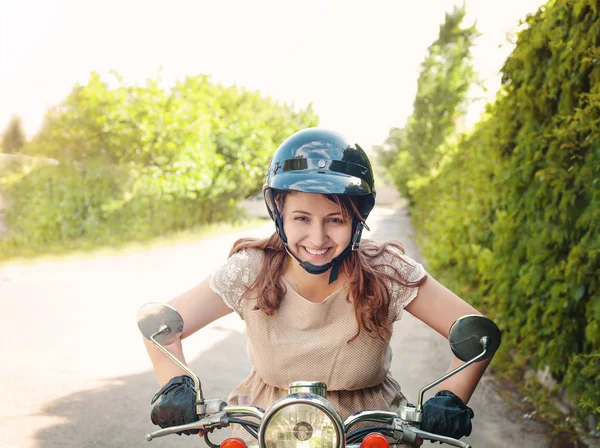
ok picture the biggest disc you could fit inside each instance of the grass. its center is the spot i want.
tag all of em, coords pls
(85, 249)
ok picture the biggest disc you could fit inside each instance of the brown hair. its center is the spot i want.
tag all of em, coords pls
(368, 287)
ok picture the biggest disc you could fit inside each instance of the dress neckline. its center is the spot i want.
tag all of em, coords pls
(337, 291)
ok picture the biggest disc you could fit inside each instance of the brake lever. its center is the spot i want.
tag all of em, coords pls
(217, 420)
(410, 434)
(441, 439)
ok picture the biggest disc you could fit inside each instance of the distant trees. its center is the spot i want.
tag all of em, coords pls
(13, 138)
(412, 154)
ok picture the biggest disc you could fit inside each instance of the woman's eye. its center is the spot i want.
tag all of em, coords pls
(306, 219)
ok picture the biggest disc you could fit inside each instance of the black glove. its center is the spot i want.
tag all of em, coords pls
(176, 404)
(445, 414)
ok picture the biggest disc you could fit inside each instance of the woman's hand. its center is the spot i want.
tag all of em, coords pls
(446, 414)
(176, 404)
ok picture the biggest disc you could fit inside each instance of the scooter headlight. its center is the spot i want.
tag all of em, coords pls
(301, 421)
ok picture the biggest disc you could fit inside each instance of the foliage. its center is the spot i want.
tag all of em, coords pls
(514, 212)
(138, 161)
(224, 135)
(414, 152)
(13, 138)
(60, 203)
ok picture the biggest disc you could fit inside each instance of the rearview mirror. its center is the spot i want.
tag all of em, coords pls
(160, 321)
(473, 338)
(467, 335)
(162, 325)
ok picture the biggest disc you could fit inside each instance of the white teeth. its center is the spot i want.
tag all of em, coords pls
(315, 252)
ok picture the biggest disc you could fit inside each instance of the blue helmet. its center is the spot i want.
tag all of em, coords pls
(322, 161)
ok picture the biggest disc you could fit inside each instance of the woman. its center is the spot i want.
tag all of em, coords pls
(318, 305)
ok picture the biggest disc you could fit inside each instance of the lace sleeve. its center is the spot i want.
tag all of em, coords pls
(232, 279)
(411, 271)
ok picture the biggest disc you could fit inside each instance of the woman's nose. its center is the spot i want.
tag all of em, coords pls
(318, 236)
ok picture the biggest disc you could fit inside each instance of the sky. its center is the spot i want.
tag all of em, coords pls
(356, 61)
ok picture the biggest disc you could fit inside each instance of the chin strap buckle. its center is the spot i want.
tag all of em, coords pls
(357, 233)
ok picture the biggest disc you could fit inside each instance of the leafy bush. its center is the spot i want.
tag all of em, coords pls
(137, 162)
(53, 204)
(514, 213)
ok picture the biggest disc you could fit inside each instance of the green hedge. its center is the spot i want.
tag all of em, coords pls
(59, 203)
(136, 162)
(514, 213)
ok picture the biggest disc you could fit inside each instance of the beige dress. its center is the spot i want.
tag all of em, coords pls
(306, 341)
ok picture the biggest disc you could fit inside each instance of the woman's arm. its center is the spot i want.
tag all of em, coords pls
(439, 307)
(198, 307)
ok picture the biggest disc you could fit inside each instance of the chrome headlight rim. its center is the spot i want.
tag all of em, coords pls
(303, 398)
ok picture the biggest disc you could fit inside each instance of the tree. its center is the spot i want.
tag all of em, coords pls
(198, 138)
(443, 84)
(143, 160)
(13, 138)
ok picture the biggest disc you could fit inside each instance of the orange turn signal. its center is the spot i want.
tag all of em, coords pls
(375, 440)
(233, 442)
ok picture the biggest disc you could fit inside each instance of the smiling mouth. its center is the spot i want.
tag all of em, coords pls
(316, 253)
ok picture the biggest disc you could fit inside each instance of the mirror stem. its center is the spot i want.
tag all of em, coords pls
(200, 405)
(483, 341)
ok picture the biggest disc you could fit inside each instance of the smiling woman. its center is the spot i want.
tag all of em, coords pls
(317, 302)
(318, 229)
(322, 234)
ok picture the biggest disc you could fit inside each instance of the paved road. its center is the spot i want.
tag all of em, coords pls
(74, 371)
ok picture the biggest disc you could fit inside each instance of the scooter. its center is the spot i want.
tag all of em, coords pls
(304, 418)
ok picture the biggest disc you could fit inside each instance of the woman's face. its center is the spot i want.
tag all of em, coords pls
(315, 227)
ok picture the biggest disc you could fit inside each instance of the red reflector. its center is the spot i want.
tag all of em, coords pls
(233, 442)
(375, 440)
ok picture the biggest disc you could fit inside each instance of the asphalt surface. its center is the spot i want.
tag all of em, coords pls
(75, 373)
